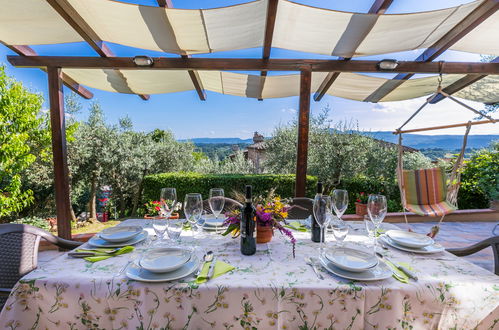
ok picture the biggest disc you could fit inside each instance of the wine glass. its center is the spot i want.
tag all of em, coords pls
(217, 202)
(322, 209)
(376, 208)
(193, 209)
(168, 200)
(339, 202)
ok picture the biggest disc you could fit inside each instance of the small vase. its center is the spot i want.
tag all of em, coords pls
(360, 209)
(264, 233)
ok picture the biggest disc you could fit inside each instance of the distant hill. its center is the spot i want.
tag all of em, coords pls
(448, 142)
(218, 140)
(418, 141)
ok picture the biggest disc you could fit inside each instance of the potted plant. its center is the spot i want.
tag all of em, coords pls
(271, 214)
(153, 211)
(361, 204)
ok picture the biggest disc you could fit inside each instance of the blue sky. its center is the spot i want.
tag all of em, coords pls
(232, 116)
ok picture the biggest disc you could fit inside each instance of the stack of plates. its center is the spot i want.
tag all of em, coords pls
(411, 242)
(164, 264)
(212, 224)
(118, 236)
(355, 265)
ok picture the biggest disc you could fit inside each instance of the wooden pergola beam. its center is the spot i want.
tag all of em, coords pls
(196, 80)
(59, 151)
(480, 14)
(249, 64)
(460, 84)
(73, 18)
(165, 3)
(269, 34)
(303, 128)
(378, 7)
(24, 50)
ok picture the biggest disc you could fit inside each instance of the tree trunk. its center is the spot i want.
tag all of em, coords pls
(122, 206)
(92, 209)
(138, 195)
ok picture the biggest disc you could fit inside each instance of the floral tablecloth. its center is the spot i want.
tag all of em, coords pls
(269, 290)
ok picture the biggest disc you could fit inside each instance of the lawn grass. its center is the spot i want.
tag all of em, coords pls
(95, 227)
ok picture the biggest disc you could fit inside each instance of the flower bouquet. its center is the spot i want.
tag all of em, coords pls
(271, 213)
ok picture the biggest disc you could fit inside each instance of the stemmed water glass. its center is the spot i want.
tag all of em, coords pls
(376, 208)
(216, 201)
(174, 229)
(159, 227)
(168, 200)
(322, 211)
(193, 209)
(339, 202)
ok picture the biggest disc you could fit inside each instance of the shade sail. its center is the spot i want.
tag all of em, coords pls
(297, 27)
(348, 85)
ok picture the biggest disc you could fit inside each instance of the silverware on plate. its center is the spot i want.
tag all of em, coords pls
(399, 267)
(311, 263)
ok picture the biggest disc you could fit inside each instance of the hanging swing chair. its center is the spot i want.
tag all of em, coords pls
(429, 192)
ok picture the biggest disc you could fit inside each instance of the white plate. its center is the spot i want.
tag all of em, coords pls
(120, 234)
(99, 242)
(434, 248)
(136, 273)
(351, 260)
(380, 272)
(163, 260)
(213, 222)
(409, 239)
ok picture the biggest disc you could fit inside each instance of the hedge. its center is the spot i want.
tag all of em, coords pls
(469, 198)
(202, 183)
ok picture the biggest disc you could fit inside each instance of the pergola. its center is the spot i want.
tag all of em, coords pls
(268, 24)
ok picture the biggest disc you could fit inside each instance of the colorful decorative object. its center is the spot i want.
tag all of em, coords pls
(271, 213)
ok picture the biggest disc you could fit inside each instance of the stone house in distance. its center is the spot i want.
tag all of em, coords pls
(254, 152)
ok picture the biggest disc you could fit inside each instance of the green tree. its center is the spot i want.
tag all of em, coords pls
(20, 124)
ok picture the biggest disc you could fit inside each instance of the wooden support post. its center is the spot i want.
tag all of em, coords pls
(59, 150)
(303, 127)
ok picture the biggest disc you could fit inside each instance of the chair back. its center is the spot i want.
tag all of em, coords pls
(493, 242)
(424, 187)
(301, 208)
(229, 205)
(19, 252)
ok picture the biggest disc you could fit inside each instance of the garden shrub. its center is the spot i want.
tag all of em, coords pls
(34, 221)
(186, 182)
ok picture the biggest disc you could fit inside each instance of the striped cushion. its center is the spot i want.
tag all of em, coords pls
(425, 192)
(432, 210)
(425, 187)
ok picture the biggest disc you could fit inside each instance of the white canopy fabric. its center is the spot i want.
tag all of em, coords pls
(297, 27)
(348, 85)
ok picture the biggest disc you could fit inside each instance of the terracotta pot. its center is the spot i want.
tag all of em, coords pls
(360, 209)
(264, 233)
(173, 216)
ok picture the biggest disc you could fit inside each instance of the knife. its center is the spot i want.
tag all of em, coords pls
(211, 270)
(403, 269)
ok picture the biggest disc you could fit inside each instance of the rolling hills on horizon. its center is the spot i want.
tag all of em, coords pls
(418, 141)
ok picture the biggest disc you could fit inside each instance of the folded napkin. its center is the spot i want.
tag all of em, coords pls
(296, 226)
(220, 269)
(103, 254)
(400, 275)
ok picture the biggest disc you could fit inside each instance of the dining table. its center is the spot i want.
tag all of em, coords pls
(271, 289)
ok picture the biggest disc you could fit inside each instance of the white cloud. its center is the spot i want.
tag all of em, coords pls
(289, 110)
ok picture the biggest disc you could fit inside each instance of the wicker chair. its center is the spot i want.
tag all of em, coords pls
(19, 253)
(491, 241)
(230, 204)
(302, 208)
